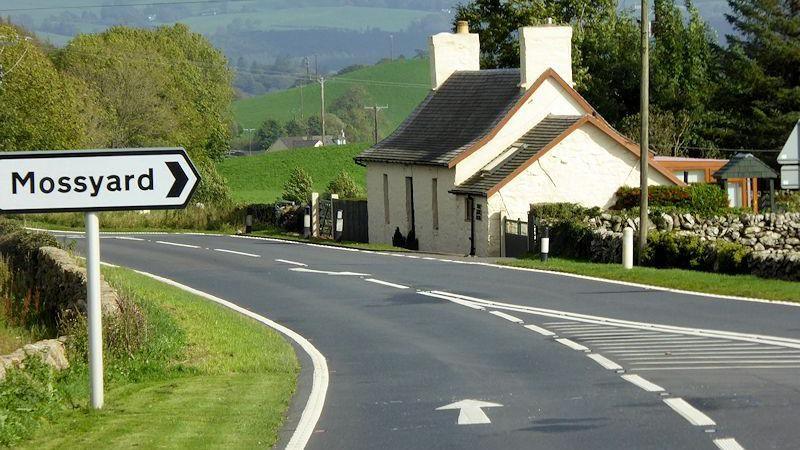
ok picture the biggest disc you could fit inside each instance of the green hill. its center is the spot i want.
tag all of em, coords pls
(400, 84)
(260, 179)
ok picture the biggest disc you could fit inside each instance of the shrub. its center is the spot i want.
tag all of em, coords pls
(553, 212)
(788, 201)
(344, 186)
(698, 198)
(298, 187)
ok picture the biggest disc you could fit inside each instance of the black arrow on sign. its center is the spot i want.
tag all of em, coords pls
(180, 179)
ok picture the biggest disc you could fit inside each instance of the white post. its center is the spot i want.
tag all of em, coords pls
(627, 248)
(93, 309)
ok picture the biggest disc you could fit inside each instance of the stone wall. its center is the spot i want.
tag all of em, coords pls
(59, 278)
(51, 351)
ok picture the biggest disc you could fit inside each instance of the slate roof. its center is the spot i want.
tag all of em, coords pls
(745, 165)
(462, 111)
(526, 147)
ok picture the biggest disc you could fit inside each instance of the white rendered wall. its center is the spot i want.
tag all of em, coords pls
(549, 98)
(451, 52)
(542, 48)
(453, 233)
(587, 167)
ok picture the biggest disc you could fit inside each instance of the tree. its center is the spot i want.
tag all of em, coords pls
(332, 125)
(358, 122)
(298, 187)
(294, 127)
(759, 101)
(268, 133)
(344, 186)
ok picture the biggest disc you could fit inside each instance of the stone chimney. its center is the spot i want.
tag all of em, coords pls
(451, 52)
(545, 47)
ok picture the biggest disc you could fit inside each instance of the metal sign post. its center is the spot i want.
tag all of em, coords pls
(91, 181)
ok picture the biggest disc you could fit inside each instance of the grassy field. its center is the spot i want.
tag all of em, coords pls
(712, 283)
(408, 85)
(205, 377)
(260, 179)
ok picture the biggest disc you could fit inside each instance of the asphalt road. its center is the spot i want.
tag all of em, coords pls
(575, 363)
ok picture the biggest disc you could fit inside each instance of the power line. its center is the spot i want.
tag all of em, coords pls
(55, 8)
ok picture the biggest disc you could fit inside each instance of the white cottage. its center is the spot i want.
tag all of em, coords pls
(485, 144)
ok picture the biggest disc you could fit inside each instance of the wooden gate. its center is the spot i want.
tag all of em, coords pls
(354, 214)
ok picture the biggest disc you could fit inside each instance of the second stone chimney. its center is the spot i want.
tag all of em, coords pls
(450, 52)
(545, 47)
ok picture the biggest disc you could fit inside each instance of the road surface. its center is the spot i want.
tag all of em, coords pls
(427, 352)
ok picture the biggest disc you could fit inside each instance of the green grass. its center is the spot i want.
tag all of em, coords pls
(260, 179)
(14, 337)
(411, 75)
(206, 377)
(712, 283)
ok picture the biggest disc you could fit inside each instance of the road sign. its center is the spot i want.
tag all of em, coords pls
(791, 150)
(96, 180)
(790, 177)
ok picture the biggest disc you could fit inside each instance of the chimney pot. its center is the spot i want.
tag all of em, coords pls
(462, 27)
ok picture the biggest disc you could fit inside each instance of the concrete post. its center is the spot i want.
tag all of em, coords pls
(307, 222)
(627, 248)
(94, 310)
(544, 246)
(315, 214)
(337, 233)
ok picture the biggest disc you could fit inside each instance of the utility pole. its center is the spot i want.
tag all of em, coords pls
(322, 108)
(301, 100)
(644, 138)
(375, 110)
(391, 47)
(250, 146)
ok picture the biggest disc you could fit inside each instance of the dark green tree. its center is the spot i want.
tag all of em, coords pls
(294, 127)
(358, 122)
(298, 187)
(269, 132)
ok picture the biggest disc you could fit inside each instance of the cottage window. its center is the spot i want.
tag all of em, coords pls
(435, 202)
(469, 205)
(386, 198)
(410, 202)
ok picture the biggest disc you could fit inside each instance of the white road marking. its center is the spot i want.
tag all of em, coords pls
(609, 335)
(727, 444)
(386, 283)
(728, 361)
(128, 238)
(780, 366)
(177, 244)
(674, 357)
(508, 317)
(294, 263)
(642, 383)
(328, 272)
(638, 343)
(705, 353)
(470, 412)
(689, 412)
(667, 348)
(540, 330)
(237, 253)
(320, 379)
(455, 300)
(572, 344)
(603, 361)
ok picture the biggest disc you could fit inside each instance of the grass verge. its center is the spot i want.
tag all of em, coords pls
(689, 280)
(203, 376)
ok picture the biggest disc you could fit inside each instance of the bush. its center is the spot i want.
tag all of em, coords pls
(668, 250)
(553, 212)
(698, 198)
(788, 201)
(298, 187)
(345, 186)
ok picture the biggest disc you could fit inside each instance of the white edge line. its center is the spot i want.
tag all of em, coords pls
(642, 383)
(294, 263)
(386, 283)
(237, 253)
(605, 362)
(689, 412)
(539, 330)
(572, 344)
(497, 266)
(319, 385)
(727, 444)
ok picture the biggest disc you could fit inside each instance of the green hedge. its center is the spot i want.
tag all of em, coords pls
(697, 198)
(551, 212)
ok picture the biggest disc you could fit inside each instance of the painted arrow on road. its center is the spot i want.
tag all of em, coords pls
(470, 412)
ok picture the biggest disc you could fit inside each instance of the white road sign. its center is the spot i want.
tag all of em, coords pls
(96, 180)
(790, 177)
(791, 150)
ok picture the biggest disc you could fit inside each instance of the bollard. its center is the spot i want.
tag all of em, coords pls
(248, 224)
(307, 223)
(627, 248)
(545, 243)
(339, 225)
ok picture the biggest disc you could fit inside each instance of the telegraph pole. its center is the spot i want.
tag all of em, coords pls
(250, 146)
(375, 110)
(322, 107)
(644, 138)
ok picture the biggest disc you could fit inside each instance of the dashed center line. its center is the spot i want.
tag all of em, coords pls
(508, 317)
(237, 253)
(177, 244)
(126, 238)
(689, 412)
(386, 283)
(540, 330)
(642, 383)
(572, 344)
(294, 263)
(727, 444)
(603, 361)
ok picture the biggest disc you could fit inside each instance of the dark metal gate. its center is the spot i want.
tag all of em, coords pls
(326, 218)
(516, 237)
(354, 216)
